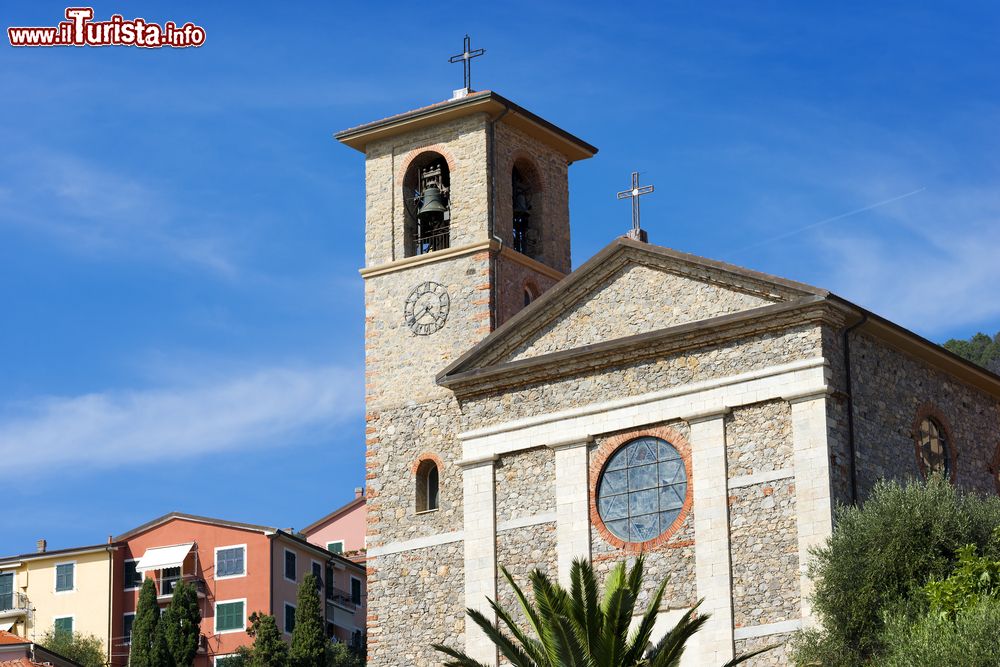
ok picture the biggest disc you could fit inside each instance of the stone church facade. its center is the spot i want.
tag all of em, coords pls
(519, 415)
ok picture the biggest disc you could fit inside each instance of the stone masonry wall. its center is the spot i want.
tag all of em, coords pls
(550, 205)
(890, 387)
(416, 598)
(522, 550)
(759, 438)
(776, 657)
(636, 299)
(525, 484)
(764, 553)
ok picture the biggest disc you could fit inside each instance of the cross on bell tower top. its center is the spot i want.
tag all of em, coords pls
(633, 193)
(465, 57)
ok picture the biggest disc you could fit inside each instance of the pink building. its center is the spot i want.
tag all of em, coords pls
(342, 530)
(237, 569)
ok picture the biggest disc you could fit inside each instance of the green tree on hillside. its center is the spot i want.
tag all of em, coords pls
(980, 349)
(310, 647)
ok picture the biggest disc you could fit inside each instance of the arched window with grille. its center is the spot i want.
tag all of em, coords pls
(427, 483)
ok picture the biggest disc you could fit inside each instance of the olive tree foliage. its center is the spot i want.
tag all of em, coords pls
(87, 650)
(879, 559)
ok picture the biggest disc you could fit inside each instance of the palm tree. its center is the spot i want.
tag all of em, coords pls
(572, 629)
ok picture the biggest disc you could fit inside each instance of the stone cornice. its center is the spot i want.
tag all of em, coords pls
(671, 340)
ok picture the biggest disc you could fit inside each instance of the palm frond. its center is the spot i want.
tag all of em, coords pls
(746, 656)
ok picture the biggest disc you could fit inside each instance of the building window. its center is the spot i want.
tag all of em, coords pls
(530, 293)
(64, 577)
(427, 486)
(642, 489)
(230, 562)
(128, 621)
(317, 570)
(63, 625)
(427, 202)
(290, 565)
(932, 447)
(335, 547)
(229, 616)
(356, 639)
(132, 578)
(6, 591)
(355, 590)
(289, 618)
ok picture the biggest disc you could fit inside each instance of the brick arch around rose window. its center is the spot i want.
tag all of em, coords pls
(426, 471)
(599, 458)
(929, 411)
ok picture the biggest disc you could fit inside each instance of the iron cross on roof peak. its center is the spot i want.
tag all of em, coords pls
(466, 57)
(634, 193)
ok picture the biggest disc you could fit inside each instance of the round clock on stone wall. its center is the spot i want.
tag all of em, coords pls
(426, 308)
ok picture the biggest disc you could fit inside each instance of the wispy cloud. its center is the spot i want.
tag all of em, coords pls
(123, 428)
(938, 271)
(98, 211)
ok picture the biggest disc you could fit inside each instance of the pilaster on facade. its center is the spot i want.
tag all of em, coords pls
(479, 489)
(714, 644)
(572, 504)
(813, 490)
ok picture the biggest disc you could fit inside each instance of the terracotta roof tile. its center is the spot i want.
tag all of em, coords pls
(11, 638)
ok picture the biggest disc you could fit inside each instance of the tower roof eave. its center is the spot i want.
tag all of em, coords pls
(485, 101)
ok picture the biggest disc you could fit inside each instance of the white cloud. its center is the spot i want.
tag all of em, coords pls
(938, 271)
(99, 211)
(125, 428)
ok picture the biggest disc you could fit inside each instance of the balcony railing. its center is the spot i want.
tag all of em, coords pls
(341, 597)
(14, 604)
(167, 586)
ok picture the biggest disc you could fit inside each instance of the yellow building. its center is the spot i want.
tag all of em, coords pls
(67, 589)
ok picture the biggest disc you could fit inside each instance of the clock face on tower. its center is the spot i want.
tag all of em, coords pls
(426, 308)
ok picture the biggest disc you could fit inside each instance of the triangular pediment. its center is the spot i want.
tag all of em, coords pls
(629, 289)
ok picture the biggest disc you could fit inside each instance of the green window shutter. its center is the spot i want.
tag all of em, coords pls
(63, 625)
(228, 616)
(335, 547)
(289, 618)
(64, 577)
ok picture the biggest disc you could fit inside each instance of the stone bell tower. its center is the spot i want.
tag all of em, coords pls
(467, 221)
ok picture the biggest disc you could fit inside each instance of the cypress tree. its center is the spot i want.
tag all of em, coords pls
(310, 646)
(181, 625)
(143, 652)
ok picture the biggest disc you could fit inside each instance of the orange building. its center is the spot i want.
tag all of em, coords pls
(237, 569)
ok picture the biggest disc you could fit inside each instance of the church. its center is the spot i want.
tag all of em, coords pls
(521, 414)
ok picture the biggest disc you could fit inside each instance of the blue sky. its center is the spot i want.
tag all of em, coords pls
(180, 234)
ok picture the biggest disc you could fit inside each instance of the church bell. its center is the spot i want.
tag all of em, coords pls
(521, 206)
(432, 206)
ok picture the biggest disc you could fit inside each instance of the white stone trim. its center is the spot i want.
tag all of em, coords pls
(479, 497)
(525, 521)
(713, 645)
(813, 492)
(572, 507)
(761, 477)
(703, 399)
(779, 628)
(416, 543)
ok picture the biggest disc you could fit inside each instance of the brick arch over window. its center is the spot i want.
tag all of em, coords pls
(426, 471)
(931, 412)
(531, 291)
(440, 149)
(599, 458)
